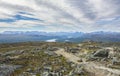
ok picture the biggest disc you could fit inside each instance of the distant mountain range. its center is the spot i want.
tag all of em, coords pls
(20, 36)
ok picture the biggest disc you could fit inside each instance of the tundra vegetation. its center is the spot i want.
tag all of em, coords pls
(41, 59)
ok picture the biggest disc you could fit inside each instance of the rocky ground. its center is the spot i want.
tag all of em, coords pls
(88, 58)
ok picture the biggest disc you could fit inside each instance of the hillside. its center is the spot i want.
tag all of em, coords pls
(87, 58)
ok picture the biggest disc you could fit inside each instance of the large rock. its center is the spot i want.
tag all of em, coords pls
(115, 60)
(101, 53)
(6, 70)
(14, 52)
(50, 53)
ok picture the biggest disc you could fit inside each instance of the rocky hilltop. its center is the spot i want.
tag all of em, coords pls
(87, 58)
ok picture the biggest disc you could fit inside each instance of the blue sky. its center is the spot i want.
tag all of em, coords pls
(60, 15)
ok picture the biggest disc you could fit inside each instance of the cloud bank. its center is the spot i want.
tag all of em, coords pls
(60, 15)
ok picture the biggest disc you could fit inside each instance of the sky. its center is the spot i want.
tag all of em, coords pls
(60, 15)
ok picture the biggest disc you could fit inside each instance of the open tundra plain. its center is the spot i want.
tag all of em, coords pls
(88, 58)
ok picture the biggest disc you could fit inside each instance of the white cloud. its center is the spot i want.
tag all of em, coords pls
(102, 8)
(67, 15)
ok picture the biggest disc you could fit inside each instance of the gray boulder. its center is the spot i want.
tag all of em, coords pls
(6, 70)
(101, 53)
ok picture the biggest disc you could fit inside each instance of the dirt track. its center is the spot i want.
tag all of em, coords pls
(96, 69)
